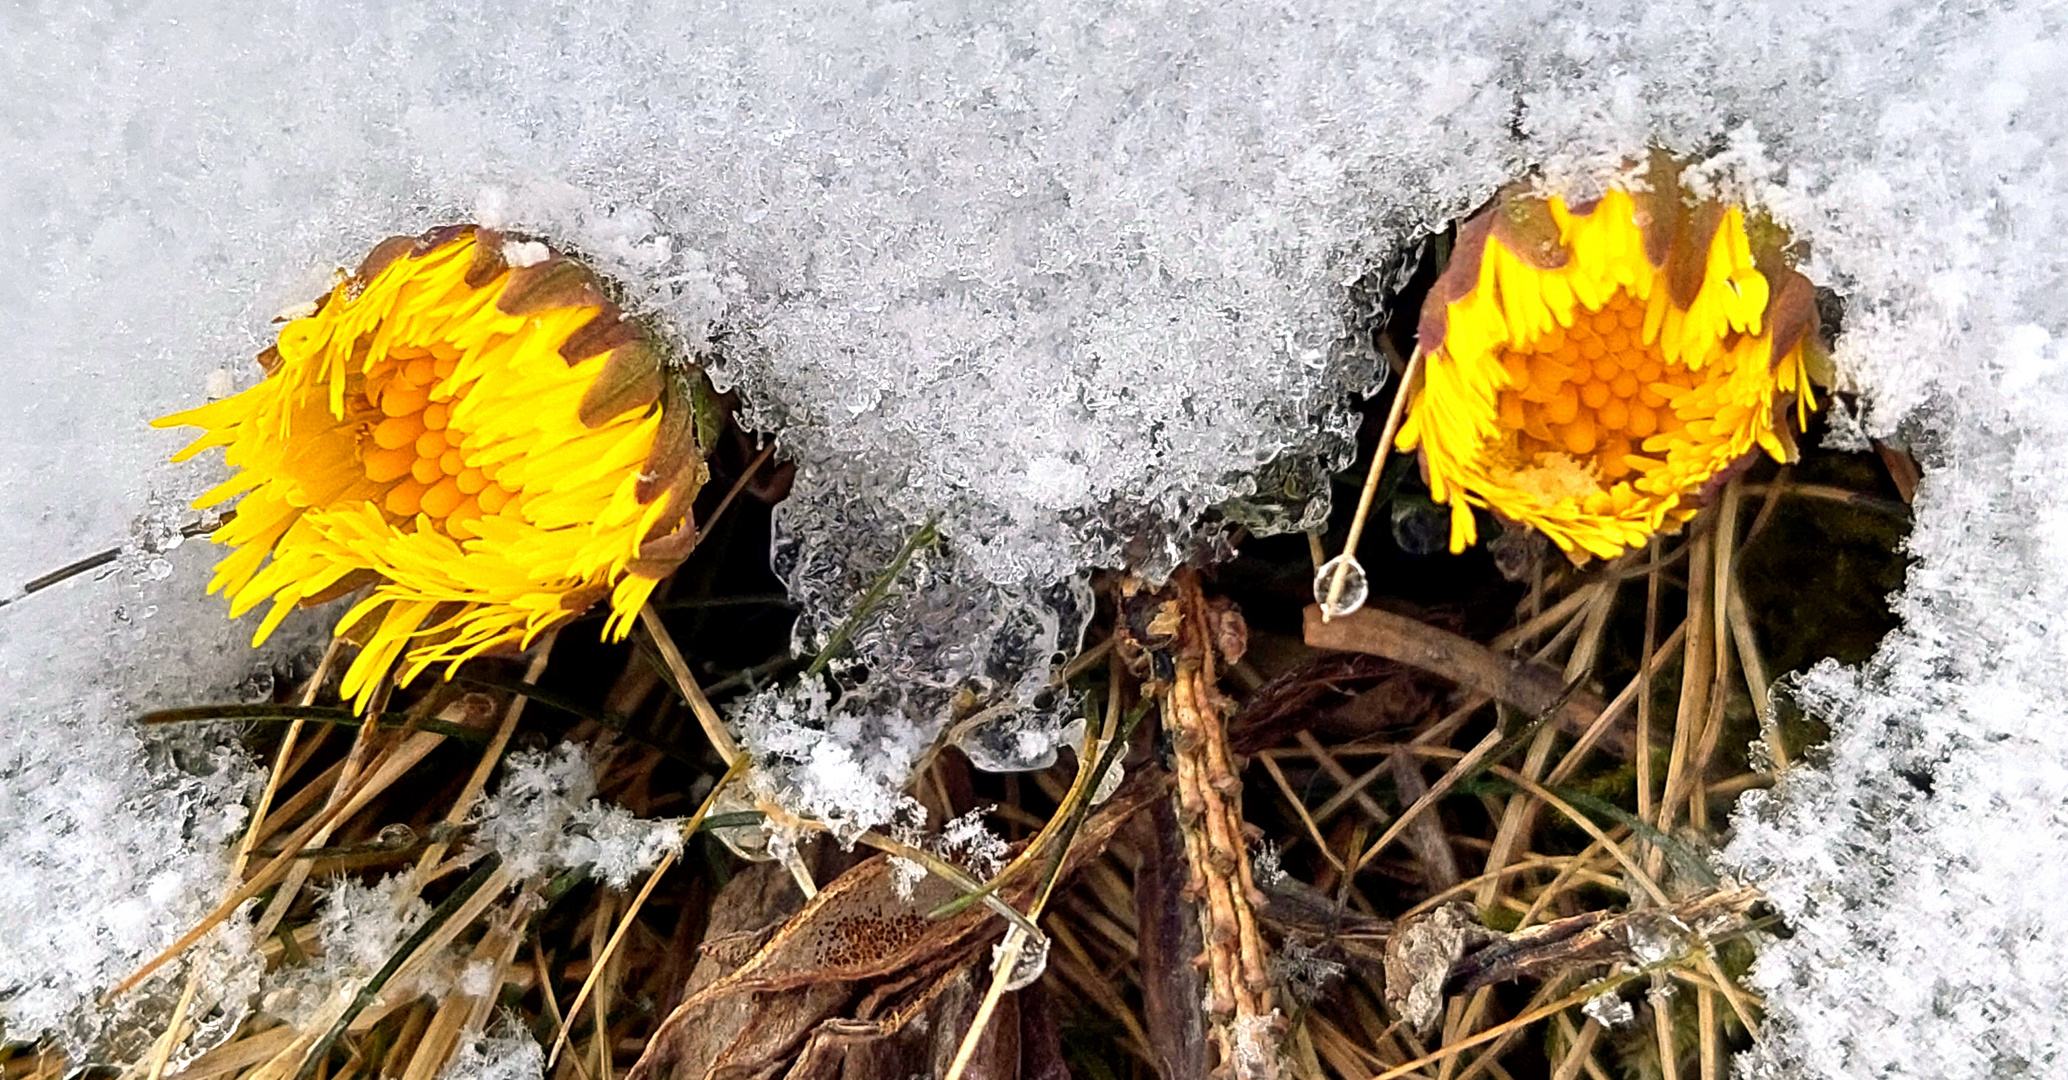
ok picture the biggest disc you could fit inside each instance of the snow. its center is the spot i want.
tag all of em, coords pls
(543, 818)
(506, 1052)
(1059, 279)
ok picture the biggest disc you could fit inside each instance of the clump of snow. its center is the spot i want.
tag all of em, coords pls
(113, 844)
(544, 818)
(808, 757)
(358, 928)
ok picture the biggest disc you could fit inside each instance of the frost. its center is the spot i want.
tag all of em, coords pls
(361, 925)
(1255, 1042)
(1609, 1010)
(506, 1052)
(1265, 864)
(358, 928)
(114, 844)
(970, 842)
(964, 841)
(825, 762)
(543, 818)
(1305, 972)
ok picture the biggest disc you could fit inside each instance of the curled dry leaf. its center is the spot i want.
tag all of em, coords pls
(1419, 959)
(860, 971)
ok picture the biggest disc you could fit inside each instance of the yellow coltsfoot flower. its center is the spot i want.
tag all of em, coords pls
(492, 448)
(1589, 371)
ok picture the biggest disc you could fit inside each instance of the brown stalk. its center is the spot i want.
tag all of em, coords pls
(1239, 986)
(617, 937)
(1533, 688)
(298, 874)
(1698, 660)
(1518, 815)
(1636, 690)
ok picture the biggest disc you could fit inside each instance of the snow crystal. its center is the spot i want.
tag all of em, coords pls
(114, 844)
(1609, 1010)
(809, 758)
(360, 926)
(543, 818)
(1061, 279)
(506, 1052)
(966, 840)
(358, 929)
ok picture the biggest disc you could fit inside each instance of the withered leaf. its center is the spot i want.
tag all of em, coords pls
(859, 963)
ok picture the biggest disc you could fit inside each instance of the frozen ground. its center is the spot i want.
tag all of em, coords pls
(1061, 280)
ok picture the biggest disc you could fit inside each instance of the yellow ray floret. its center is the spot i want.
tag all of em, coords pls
(1590, 371)
(492, 449)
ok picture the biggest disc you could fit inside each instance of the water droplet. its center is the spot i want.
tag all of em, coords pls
(1108, 784)
(1420, 527)
(1033, 960)
(1355, 588)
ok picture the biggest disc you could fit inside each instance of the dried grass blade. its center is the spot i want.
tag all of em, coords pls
(491, 756)
(446, 912)
(388, 769)
(689, 829)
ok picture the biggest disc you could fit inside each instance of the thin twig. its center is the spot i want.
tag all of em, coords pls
(686, 685)
(1371, 483)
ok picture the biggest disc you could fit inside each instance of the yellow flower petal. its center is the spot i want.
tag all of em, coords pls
(414, 432)
(1586, 400)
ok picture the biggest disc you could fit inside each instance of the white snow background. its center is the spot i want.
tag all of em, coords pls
(1060, 275)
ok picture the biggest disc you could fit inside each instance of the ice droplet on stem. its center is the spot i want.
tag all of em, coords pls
(1355, 588)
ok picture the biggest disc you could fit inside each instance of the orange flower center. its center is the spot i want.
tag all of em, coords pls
(409, 444)
(1595, 390)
